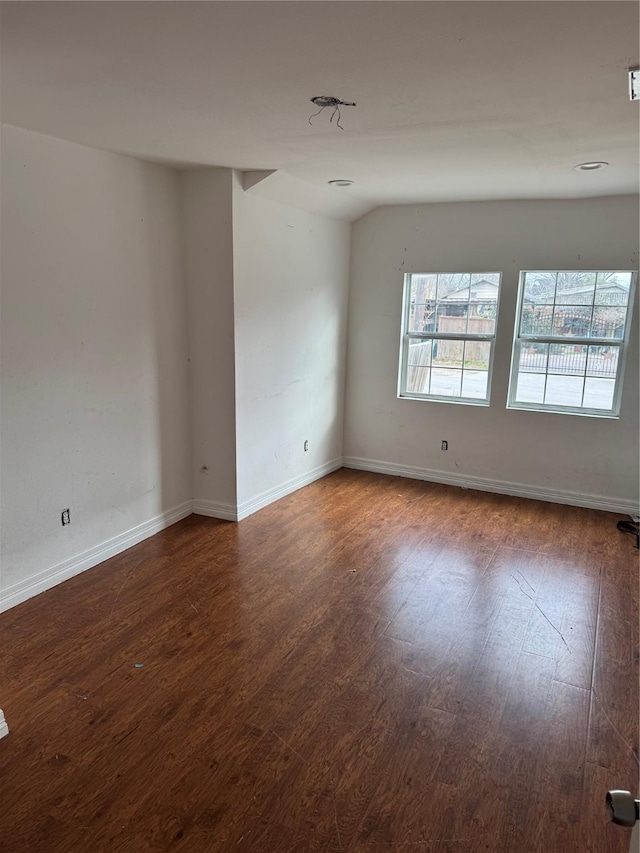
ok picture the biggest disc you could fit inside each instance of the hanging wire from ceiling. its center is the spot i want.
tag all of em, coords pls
(324, 101)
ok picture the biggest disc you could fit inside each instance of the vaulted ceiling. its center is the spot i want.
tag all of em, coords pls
(455, 100)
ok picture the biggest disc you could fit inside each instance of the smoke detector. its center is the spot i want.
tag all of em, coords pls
(340, 182)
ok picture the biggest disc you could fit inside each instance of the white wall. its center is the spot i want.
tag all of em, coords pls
(547, 452)
(208, 245)
(94, 351)
(291, 273)
(116, 272)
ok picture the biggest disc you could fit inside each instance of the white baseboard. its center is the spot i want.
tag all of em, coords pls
(60, 572)
(502, 487)
(252, 505)
(4, 728)
(213, 509)
(66, 569)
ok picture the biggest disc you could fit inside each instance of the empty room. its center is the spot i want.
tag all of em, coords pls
(319, 426)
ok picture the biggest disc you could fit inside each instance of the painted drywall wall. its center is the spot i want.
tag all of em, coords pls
(94, 353)
(208, 248)
(548, 452)
(291, 273)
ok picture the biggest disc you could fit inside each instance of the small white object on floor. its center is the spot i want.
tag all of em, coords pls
(4, 728)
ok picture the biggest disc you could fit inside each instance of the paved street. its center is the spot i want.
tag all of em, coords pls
(560, 390)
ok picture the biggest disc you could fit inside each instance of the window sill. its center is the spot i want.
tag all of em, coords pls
(522, 407)
(458, 401)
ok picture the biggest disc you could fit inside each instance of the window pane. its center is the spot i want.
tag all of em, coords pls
(567, 359)
(489, 277)
(448, 353)
(603, 362)
(477, 354)
(482, 317)
(530, 388)
(422, 317)
(483, 303)
(452, 284)
(536, 319)
(419, 352)
(533, 357)
(474, 384)
(613, 288)
(446, 383)
(564, 390)
(565, 306)
(453, 305)
(453, 302)
(418, 380)
(608, 323)
(571, 321)
(418, 367)
(598, 393)
(452, 317)
(540, 287)
(423, 287)
(422, 297)
(575, 288)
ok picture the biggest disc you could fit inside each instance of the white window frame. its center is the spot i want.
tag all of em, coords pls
(406, 336)
(621, 343)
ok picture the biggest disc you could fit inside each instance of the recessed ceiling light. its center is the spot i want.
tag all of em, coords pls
(341, 182)
(592, 166)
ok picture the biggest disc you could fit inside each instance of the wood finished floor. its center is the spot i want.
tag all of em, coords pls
(370, 664)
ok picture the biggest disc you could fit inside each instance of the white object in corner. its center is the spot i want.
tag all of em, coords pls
(4, 728)
(501, 487)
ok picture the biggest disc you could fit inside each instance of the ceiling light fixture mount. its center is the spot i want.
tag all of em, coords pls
(340, 182)
(591, 166)
(324, 101)
(330, 101)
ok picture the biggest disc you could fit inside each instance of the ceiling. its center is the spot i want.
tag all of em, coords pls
(455, 100)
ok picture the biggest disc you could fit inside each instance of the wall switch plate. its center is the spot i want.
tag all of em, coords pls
(66, 517)
(445, 445)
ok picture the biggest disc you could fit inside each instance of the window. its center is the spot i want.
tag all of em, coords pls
(572, 329)
(448, 333)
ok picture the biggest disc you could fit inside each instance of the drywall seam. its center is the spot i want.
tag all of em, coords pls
(60, 572)
(252, 505)
(501, 487)
(214, 509)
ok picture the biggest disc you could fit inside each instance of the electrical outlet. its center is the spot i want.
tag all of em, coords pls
(306, 446)
(66, 517)
(445, 445)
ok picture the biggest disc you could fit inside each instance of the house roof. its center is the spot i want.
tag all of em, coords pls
(479, 290)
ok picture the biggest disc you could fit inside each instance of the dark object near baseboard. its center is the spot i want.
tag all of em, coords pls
(630, 527)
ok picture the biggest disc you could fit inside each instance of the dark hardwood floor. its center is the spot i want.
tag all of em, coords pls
(370, 664)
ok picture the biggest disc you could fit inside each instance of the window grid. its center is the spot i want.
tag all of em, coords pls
(441, 316)
(610, 349)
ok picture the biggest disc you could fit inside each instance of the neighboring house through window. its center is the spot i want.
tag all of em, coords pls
(448, 334)
(570, 341)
